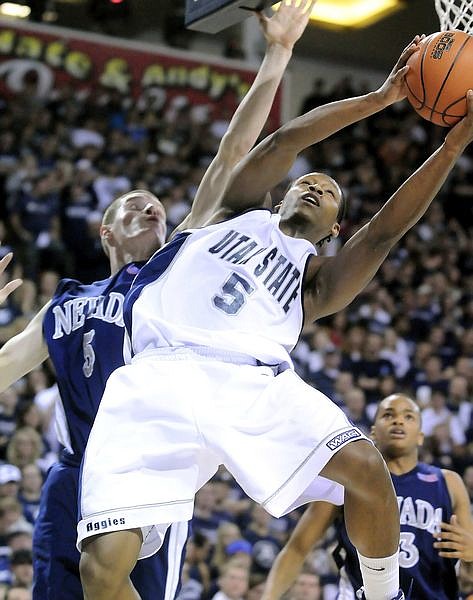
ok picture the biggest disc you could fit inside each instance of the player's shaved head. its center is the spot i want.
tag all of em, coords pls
(111, 211)
(385, 402)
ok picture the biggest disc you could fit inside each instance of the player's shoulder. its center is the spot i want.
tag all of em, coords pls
(75, 287)
(457, 491)
(452, 479)
(67, 286)
(427, 473)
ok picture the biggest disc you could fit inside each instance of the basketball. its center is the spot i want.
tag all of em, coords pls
(440, 74)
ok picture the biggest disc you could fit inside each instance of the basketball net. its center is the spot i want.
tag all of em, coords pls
(455, 14)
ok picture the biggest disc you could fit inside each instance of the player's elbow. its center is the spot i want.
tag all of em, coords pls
(234, 147)
(296, 552)
(6, 366)
(285, 138)
(382, 235)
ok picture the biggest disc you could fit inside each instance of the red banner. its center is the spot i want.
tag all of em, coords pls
(56, 56)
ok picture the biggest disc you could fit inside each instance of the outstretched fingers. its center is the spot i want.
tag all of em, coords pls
(5, 261)
(288, 23)
(11, 286)
(409, 50)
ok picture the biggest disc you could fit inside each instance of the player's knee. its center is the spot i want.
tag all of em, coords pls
(367, 469)
(358, 465)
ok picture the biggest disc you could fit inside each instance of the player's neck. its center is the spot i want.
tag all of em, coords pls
(297, 228)
(122, 258)
(402, 464)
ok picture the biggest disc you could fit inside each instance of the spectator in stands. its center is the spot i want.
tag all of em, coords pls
(25, 447)
(197, 569)
(8, 404)
(325, 378)
(206, 519)
(35, 221)
(266, 545)
(232, 583)
(355, 409)
(10, 479)
(306, 587)
(30, 491)
(372, 367)
(227, 533)
(22, 568)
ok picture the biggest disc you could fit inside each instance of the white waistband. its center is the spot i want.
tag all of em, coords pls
(201, 353)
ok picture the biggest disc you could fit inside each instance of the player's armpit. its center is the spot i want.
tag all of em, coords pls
(333, 282)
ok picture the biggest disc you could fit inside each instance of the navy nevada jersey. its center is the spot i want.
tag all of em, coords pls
(424, 502)
(85, 322)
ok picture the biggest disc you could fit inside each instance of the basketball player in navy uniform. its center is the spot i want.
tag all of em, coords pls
(218, 309)
(435, 518)
(81, 329)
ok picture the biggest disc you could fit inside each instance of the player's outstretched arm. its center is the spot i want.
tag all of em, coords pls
(24, 352)
(309, 530)
(268, 163)
(332, 283)
(11, 285)
(281, 31)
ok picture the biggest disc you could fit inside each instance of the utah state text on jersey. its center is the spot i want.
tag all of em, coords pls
(281, 276)
(73, 313)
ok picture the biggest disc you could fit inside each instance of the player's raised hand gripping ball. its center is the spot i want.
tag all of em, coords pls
(439, 75)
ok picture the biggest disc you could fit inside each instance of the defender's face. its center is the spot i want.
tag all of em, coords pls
(142, 217)
(397, 427)
(316, 197)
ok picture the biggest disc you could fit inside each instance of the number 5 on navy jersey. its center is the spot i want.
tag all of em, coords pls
(89, 354)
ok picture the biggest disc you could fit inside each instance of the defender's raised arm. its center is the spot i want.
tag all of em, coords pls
(281, 32)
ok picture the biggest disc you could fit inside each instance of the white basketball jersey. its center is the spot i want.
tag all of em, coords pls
(234, 286)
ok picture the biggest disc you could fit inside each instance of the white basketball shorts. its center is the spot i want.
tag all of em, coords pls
(167, 421)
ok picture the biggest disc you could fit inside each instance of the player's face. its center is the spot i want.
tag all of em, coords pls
(397, 427)
(141, 217)
(315, 197)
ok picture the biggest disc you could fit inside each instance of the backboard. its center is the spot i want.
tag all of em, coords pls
(211, 16)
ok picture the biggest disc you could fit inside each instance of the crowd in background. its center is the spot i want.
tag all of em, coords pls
(65, 158)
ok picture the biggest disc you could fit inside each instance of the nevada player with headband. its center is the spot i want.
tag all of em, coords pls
(218, 309)
(435, 518)
(82, 331)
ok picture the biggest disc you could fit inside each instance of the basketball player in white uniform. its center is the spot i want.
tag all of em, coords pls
(217, 310)
(133, 227)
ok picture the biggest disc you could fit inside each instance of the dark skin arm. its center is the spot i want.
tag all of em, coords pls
(268, 163)
(309, 530)
(359, 259)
